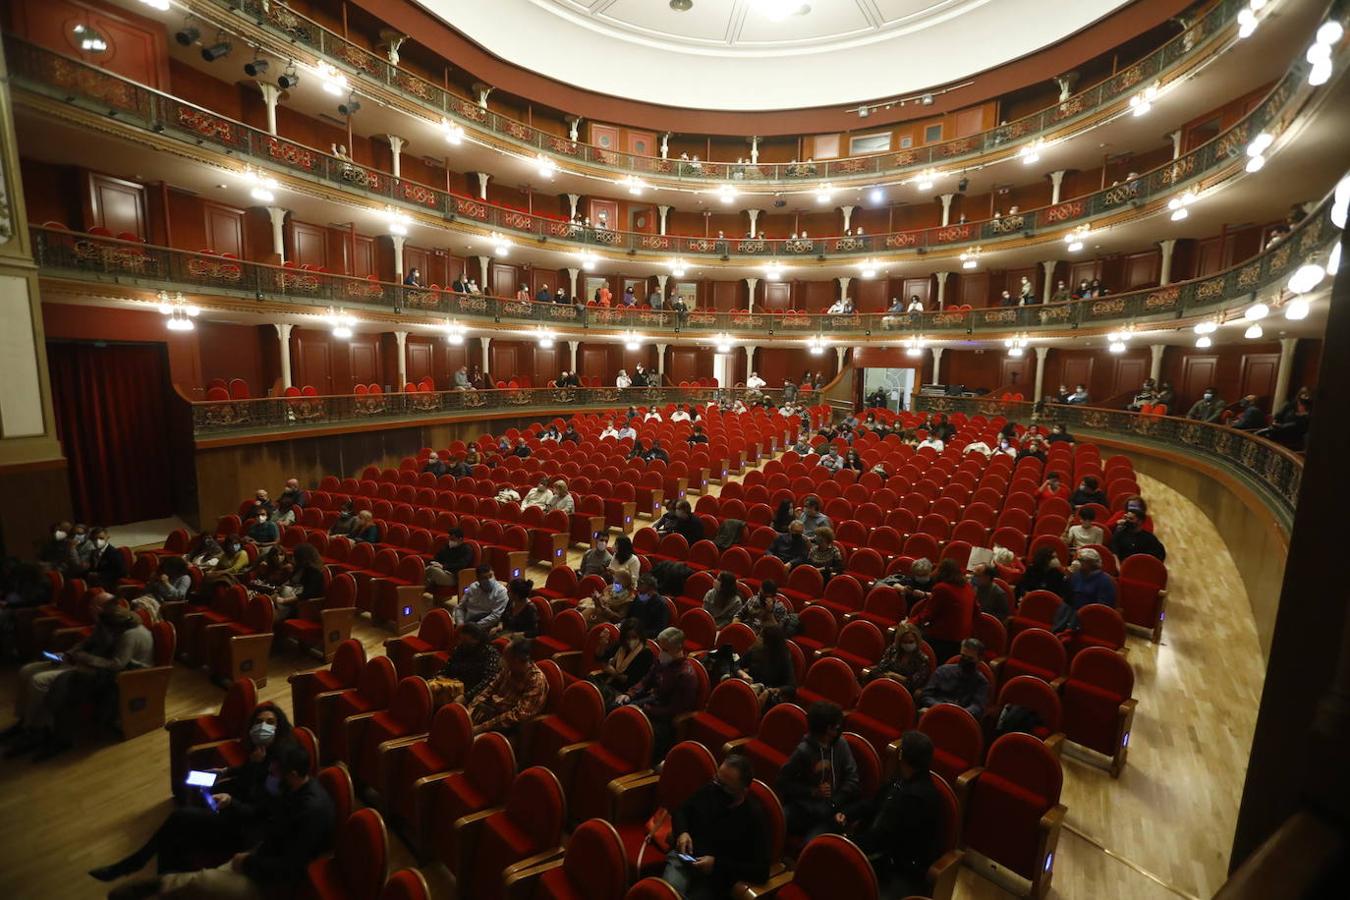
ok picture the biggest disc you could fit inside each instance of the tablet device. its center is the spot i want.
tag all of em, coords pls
(197, 778)
(54, 657)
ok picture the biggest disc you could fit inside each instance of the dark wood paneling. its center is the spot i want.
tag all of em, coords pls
(870, 295)
(224, 229)
(1258, 375)
(312, 358)
(1140, 271)
(420, 355)
(116, 204)
(1076, 370)
(920, 287)
(136, 48)
(1197, 373)
(505, 280)
(726, 294)
(1019, 374)
(419, 259)
(363, 353)
(973, 289)
(309, 244)
(363, 262)
(777, 295)
(1130, 372)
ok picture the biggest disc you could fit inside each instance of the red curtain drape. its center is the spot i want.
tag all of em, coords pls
(112, 418)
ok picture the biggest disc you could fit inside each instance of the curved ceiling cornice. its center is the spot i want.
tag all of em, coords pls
(730, 55)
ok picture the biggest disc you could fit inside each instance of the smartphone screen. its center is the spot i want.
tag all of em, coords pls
(210, 800)
(686, 857)
(201, 779)
(54, 657)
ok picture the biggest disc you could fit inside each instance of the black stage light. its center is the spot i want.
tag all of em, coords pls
(288, 79)
(256, 68)
(217, 50)
(187, 35)
(350, 107)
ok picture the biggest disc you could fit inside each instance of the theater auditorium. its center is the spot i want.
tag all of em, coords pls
(657, 449)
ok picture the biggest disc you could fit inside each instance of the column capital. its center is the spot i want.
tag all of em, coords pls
(839, 352)
(482, 184)
(1049, 266)
(400, 336)
(1288, 343)
(942, 277)
(1042, 351)
(271, 93)
(395, 142)
(283, 329)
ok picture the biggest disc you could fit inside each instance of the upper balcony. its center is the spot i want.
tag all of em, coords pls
(132, 110)
(279, 29)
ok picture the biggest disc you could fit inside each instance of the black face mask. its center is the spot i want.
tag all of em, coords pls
(967, 665)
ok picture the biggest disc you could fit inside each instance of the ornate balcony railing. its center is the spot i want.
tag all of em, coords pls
(66, 254)
(265, 414)
(1275, 470)
(285, 24)
(136, 106)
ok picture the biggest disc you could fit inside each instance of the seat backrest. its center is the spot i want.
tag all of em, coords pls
(783, 726)
(889, 702)
(863, 639)
(627, 734)
(774, 817)
(1039, 606)
(1142, 567)
(237, 708)
(491, 767)
(378, 680)
(337, 782)
(819, 624)
(583, 708)
(1103, 623)
(1035, 695)
(1104, 669)
(833, 866)
(1025, 761)
(362, 852)
(451, 735)
(411, 705)
(734, 702)
(1040, 648)
(437, 629)
(406, 884)
(348, 661)
(833, 679)
(595, 864)
(688, 766)
(536, 806)
(954, 730)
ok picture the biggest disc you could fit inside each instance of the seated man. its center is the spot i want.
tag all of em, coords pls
(570, 435)
(832, 460)
(434, 465)
(1088, 583)
(610, 431)
(811, 517)
(989, 597)
(727, 837)
(820, 779)
(697, 436)
(1079, 395)
(104, 564)
(1130, 538)
(540, 495)
(518, 693)
(1089, 491)
(1208, 408)
(649, 608)
(50, 694)
(445, 566)
(656, 451)
(521, 449)
(1249, 417)
(686, 523)
(959, 683)
(1085, 531)
(298, 831)
(484, 601)
(754, 382)
(263, 530)
(898, 828)
(669, 688)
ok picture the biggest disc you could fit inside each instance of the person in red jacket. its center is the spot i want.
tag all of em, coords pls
(1053, 486)
(951, 611)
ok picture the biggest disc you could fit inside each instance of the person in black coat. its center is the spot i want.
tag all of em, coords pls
(107, 566)
(434, 465)
(1129, 539)
(686, 523)
(1044, 574)
(724, 830)
(1089, 491)
(790, 547)
(899, 828)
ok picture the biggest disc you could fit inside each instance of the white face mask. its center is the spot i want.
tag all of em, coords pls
(100, 543)
(59, 535)
(262, 733)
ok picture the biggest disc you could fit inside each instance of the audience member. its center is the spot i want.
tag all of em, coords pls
(1044, 573)
(104, 564)
(518, 693)
(765, 607)
(1133, 504)
(474, 662)
(960, 683)
(445, 566)
(811, 517)
(1089, 491)
(667, 691)
(686, 523)
(1290, 425)
(623, 663)
(725, 835)
(792, 546)
(900, 828)
(484, 601)
(541, 495)
(989, 595)
(903, 660)
(824, 553)
(950, 614)
(1129, 538)
(723, 601)
(520, 619)
(819, 780)
(435, 465)
(1085, 531)
(1088, 583)
(1208, 408)
(649, 608)
(1249, 417)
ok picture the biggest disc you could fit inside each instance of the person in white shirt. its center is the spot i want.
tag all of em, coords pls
(1085, 531)
(979, 447)
(754, 382)
(539, 495)
(931, 441)
(623, 381)
(610, 431)
(679, 415)
(551, 434)
(915, 304)
(738, 407)
(561, 499)
(1005, 447)
(627, 432)
(839, 307)
(652, 414)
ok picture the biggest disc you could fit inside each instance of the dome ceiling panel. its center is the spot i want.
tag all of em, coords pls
(764, 54)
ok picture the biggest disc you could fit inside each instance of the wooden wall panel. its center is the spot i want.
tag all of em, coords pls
(777, 295)
(136, 48)
(363, 259)
(505, 281)
(1197, 373)
(870, 295)
(816, 296)
(1258, 377)
(421, 354)
(1141, 270)
(116, 204)
(309, 244)
(364, 353)
(1019, 375)
(921, 288)
(230, 350)
(417, 258)
(224, 229)
(973, 289)
(311, 360)
(1130, 372)
(726, 295)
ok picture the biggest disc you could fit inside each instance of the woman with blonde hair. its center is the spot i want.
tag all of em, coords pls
(904, 660)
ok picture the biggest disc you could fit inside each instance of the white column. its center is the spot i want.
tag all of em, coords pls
(271, 94)
(661, 360)
(942, 284)
(665, 145)
(573, 200)
(754, 221)
(1287, 347)
(848, 216)
(946, 208)
(396, 145)
(752, 282)
(843, 285)
(482, 184)
(1056, 181)
(754, 150)
(398, 257)
(572, 274)
(1049, 267)
(839, 358)
(284, 339)
(1165, 270)
(485, 341)
(483, 262)
(1155, 360)
(401, 338)
(1041, 353)
(573, 128)
(572, 346)
(937, 365)
(661, 286)
(749, 360)
(1176, 143)
(278, 217)
(663, 210)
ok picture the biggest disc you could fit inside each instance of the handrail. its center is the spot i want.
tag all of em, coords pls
(1277, 470)
(296, 28)
(58, 253)
(45, 72)
(272, 413)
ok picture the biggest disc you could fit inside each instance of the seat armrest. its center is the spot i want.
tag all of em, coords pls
(466, 831)
(744, 891)
(567, 758)
(520, 883)
(941, 875)
(730, 746)
(1055, 743)
(630, 796)
(964, 783)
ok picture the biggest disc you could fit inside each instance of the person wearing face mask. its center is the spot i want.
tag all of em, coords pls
(819, 780)
(723, 601)
(768, 668)
(233, 560)
(444, 568)
(263, 530)
(989, 597)
(1005, 447)
(1133, 504)
(1249, 417)
(1208, 408)
(366, 531)
(243, 795)
(1129, 538)
(474, 663)
(959, 683)
(519, 692)
(261, 503)
(1290, 424)
(612, 603)
(903, 661)
(951, 610)
(293, 493)
(1089, 491)
(299, 828)
(1088, 583)
(484, 601)
(668, 690)
(623, 663)
(56, 549)
(520, 619)
(649, 608)
(898, 829)
(106, 564)
(724, 833)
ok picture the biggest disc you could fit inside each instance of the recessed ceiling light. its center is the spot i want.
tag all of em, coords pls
(681, 5)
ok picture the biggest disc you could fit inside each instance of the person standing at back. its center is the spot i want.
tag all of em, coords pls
(950, 617)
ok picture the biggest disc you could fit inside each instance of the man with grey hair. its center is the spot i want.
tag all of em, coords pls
(1088, 583)
(959, 683)
(669, 689)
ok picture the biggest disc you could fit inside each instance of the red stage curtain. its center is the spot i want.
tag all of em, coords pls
(112, 418)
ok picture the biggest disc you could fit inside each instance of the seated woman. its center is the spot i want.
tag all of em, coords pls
(596, 560)
(306, 582)
(271, 570)
(903, 661)
(229, 566)
(171, 585)
(768, 668)
(723, 601)
(668, 520)
(474, 662)
(520, 619)
(825, 554)
(623, 663)
(783, 516)
(765, 609)
(610, 605)
(243, 801)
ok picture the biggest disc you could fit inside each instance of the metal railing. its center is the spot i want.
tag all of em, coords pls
(1275, 470)
(217, 417)
(61, 253)
(51, 74)
(353, 59)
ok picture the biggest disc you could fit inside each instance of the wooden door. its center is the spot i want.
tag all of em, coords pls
(309, 245)
(777, 295)
(224, 229)
(606, 137)
(1076, 370)
(641, 143)
(505, 280)
(1018, 376)
(593, 362)
(642, 219)
(1258, 375)
(363, 261)
(1130, 373)
(606, 211)
(419, 360)
(313, 363)
(364, 352)
(504, 366)
(116, 204)
(419, 259)
(921, 287)
(1197, 373)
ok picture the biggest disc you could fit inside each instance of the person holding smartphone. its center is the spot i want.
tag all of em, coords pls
(720, 838)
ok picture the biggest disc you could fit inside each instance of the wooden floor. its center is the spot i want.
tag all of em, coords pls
(1163, 830)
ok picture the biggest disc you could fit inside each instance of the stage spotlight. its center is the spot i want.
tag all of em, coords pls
(256, 68)
(219, 49)
(187, 35)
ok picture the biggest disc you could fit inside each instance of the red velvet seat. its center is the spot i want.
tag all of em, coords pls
(1034, 652)
(780, 730)
(1097, 704)
(406, 884)
(1013, 814)
(958, 742)
(817, 630)
(410, 770)
(409, 714)
(843, 595)
(357, 868)
(343, 673)
(804, 585)
(884, 712)
(1037, 610)
(579, 716)
(831, 866)
(860, 644)
(624, 748)
(373, 692)
(337, 783)
(1142, 594)
(1039, 697)
(687, 767)
(425, 652)
(530, 824)
(236, 711)
(487, 778)
(1098, 626)
(732, 713)
(829, 680)
(592, 868)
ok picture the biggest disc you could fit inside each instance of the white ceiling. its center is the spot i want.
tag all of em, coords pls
(733, 55)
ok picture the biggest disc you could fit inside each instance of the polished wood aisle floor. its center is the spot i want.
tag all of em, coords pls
(1163, 830)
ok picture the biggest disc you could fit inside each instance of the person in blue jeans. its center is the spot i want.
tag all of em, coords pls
(719, 836)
